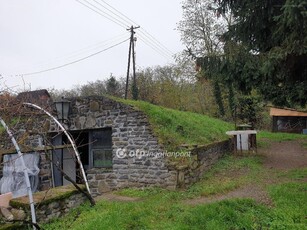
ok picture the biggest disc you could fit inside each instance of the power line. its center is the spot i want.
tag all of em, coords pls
(143, 31)
(154, 48)
(133, 22)
(110, 18)
(123, 19)
(157, 41)
(119, 13)
(73, 62)
(87, 49)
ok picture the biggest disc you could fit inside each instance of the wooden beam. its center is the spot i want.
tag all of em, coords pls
(27, 149)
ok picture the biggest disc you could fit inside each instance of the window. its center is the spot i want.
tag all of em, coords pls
(101, 148)
(102, 158)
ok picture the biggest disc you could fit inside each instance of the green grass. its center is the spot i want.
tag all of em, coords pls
(291, 210)
(141, 193)
(228, 174)
(165, 210)
(162, 209)
(294, 174)
(1, 129)
(174, 128)
(264, 138)
(280, 136)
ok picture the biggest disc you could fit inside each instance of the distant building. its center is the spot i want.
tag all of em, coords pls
(288, 120)
(40, 97)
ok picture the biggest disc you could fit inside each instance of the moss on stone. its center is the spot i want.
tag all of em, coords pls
(11, 227)
(46, 197)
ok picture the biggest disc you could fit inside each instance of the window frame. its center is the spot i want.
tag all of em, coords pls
(92, 148)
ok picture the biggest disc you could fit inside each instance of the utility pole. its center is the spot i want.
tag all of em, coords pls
(131, 50)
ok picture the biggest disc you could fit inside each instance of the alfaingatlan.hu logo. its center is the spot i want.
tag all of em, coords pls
(139, 153)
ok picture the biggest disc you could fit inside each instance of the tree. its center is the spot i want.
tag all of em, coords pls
(265, 49)
(200, 32)
(93, 88)
(200, 29)
(175, 86)
(112, 86)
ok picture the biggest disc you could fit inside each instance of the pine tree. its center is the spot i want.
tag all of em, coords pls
(264, 49)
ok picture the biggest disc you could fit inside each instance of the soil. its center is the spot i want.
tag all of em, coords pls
(114, 197)
(250, 191)
(281, 156)
(285, 155)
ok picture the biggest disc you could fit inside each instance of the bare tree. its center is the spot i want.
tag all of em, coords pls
(201, 29)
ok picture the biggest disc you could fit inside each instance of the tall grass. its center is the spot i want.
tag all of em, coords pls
(175, 128)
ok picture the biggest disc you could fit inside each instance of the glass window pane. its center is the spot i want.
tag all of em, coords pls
(102, 139)
(102, 158)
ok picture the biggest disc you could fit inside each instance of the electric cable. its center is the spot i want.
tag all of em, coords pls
(118, 23)
(85, 50)
(147, 34)
(124, 19)
(73, 62)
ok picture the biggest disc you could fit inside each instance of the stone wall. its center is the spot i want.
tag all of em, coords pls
(202, 159)
(131, 132)
(59, 207)
(53, 204)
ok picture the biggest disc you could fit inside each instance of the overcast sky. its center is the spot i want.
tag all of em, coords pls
(37, 35)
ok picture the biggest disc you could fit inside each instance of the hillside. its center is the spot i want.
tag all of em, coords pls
(175, 128)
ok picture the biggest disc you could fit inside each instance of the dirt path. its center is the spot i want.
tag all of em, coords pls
(250, 191)
(282, 156)
(285, 155)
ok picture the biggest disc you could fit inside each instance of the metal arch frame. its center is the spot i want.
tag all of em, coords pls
(20, 155)
(69, 138)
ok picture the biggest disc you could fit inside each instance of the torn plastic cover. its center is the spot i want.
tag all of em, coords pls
(13, 179)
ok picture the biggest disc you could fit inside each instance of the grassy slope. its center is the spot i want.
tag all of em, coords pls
(174, 128)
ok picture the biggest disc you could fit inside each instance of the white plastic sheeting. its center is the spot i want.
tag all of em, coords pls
(13, 179)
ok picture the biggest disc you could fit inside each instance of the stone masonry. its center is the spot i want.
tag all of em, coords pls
(131, 132)
(202, 159)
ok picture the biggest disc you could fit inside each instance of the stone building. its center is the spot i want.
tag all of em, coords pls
(116, 143)
(109, 135)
